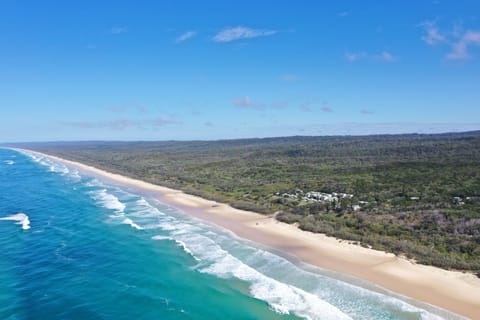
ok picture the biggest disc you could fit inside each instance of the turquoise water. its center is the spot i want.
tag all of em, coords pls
(86, 249)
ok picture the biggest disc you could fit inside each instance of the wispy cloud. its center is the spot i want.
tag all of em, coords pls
(162, 121)
(117, 124)
(118, 30)
(122, 124)
(128, 107)
(461, 46)
(367, 111)
(289, 77)
(326, 108)
(343, 14)
(185, 36)
(355, 56)
(247, 103)
(80, 124)
(308, 105)
(117, 109)
(383, 56)
(238, 33)
(362, 128)
(208, 124)
(432, 34)
(459, 40)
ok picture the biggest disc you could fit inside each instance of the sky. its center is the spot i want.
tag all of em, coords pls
(187, 70)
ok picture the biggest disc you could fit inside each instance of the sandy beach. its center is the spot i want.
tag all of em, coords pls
(454, 291)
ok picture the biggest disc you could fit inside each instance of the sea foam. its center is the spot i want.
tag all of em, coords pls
(107, 200)
(21, 218)
(212, 259)
(283, 298)
(132, 224)
(53, 166)
(178, 242)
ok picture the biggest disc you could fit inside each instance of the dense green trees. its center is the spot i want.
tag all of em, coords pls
(423, 191)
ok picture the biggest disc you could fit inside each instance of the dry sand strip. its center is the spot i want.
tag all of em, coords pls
(451, 290)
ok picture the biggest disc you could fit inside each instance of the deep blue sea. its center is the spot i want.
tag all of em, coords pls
(75, 247)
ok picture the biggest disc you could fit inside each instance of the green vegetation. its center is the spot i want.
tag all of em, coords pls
(417, 195)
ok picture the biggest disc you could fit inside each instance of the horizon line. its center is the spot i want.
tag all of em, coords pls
(250, 138)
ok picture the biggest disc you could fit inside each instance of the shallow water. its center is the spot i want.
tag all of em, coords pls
(99, 251)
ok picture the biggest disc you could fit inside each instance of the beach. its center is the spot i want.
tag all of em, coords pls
(454, 291)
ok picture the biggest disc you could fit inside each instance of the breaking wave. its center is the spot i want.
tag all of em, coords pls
(107, 200)
(132, 224)
(21, 219)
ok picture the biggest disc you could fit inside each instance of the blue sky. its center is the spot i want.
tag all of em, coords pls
(143, 70)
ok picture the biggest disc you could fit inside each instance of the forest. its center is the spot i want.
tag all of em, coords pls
(414, 195)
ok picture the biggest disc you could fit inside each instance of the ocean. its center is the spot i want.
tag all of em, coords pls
(73, 246)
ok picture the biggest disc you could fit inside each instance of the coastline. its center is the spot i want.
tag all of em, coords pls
(451, 290)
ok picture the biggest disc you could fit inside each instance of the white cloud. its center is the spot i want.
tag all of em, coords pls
(355, 56)
(80, 124)
(306, 107)
(459, 40)
(118, 30)
(128, 107)
(366, 112)
(184, 37)
(118, 124)
(208, 124)
(245, 103)
(386, 57)
(122, 124)
(238, 33)
(461, 46)
(432, 34)
(326, 108)
(117, 109)
(383, 56)
(162, 121)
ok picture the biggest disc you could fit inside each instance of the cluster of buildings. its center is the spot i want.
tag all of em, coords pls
(315, 196)
(326, 197)
(321, 197)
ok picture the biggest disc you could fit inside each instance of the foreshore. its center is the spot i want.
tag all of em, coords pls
(451, 290)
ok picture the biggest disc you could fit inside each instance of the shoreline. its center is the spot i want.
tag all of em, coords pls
(453, 291)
